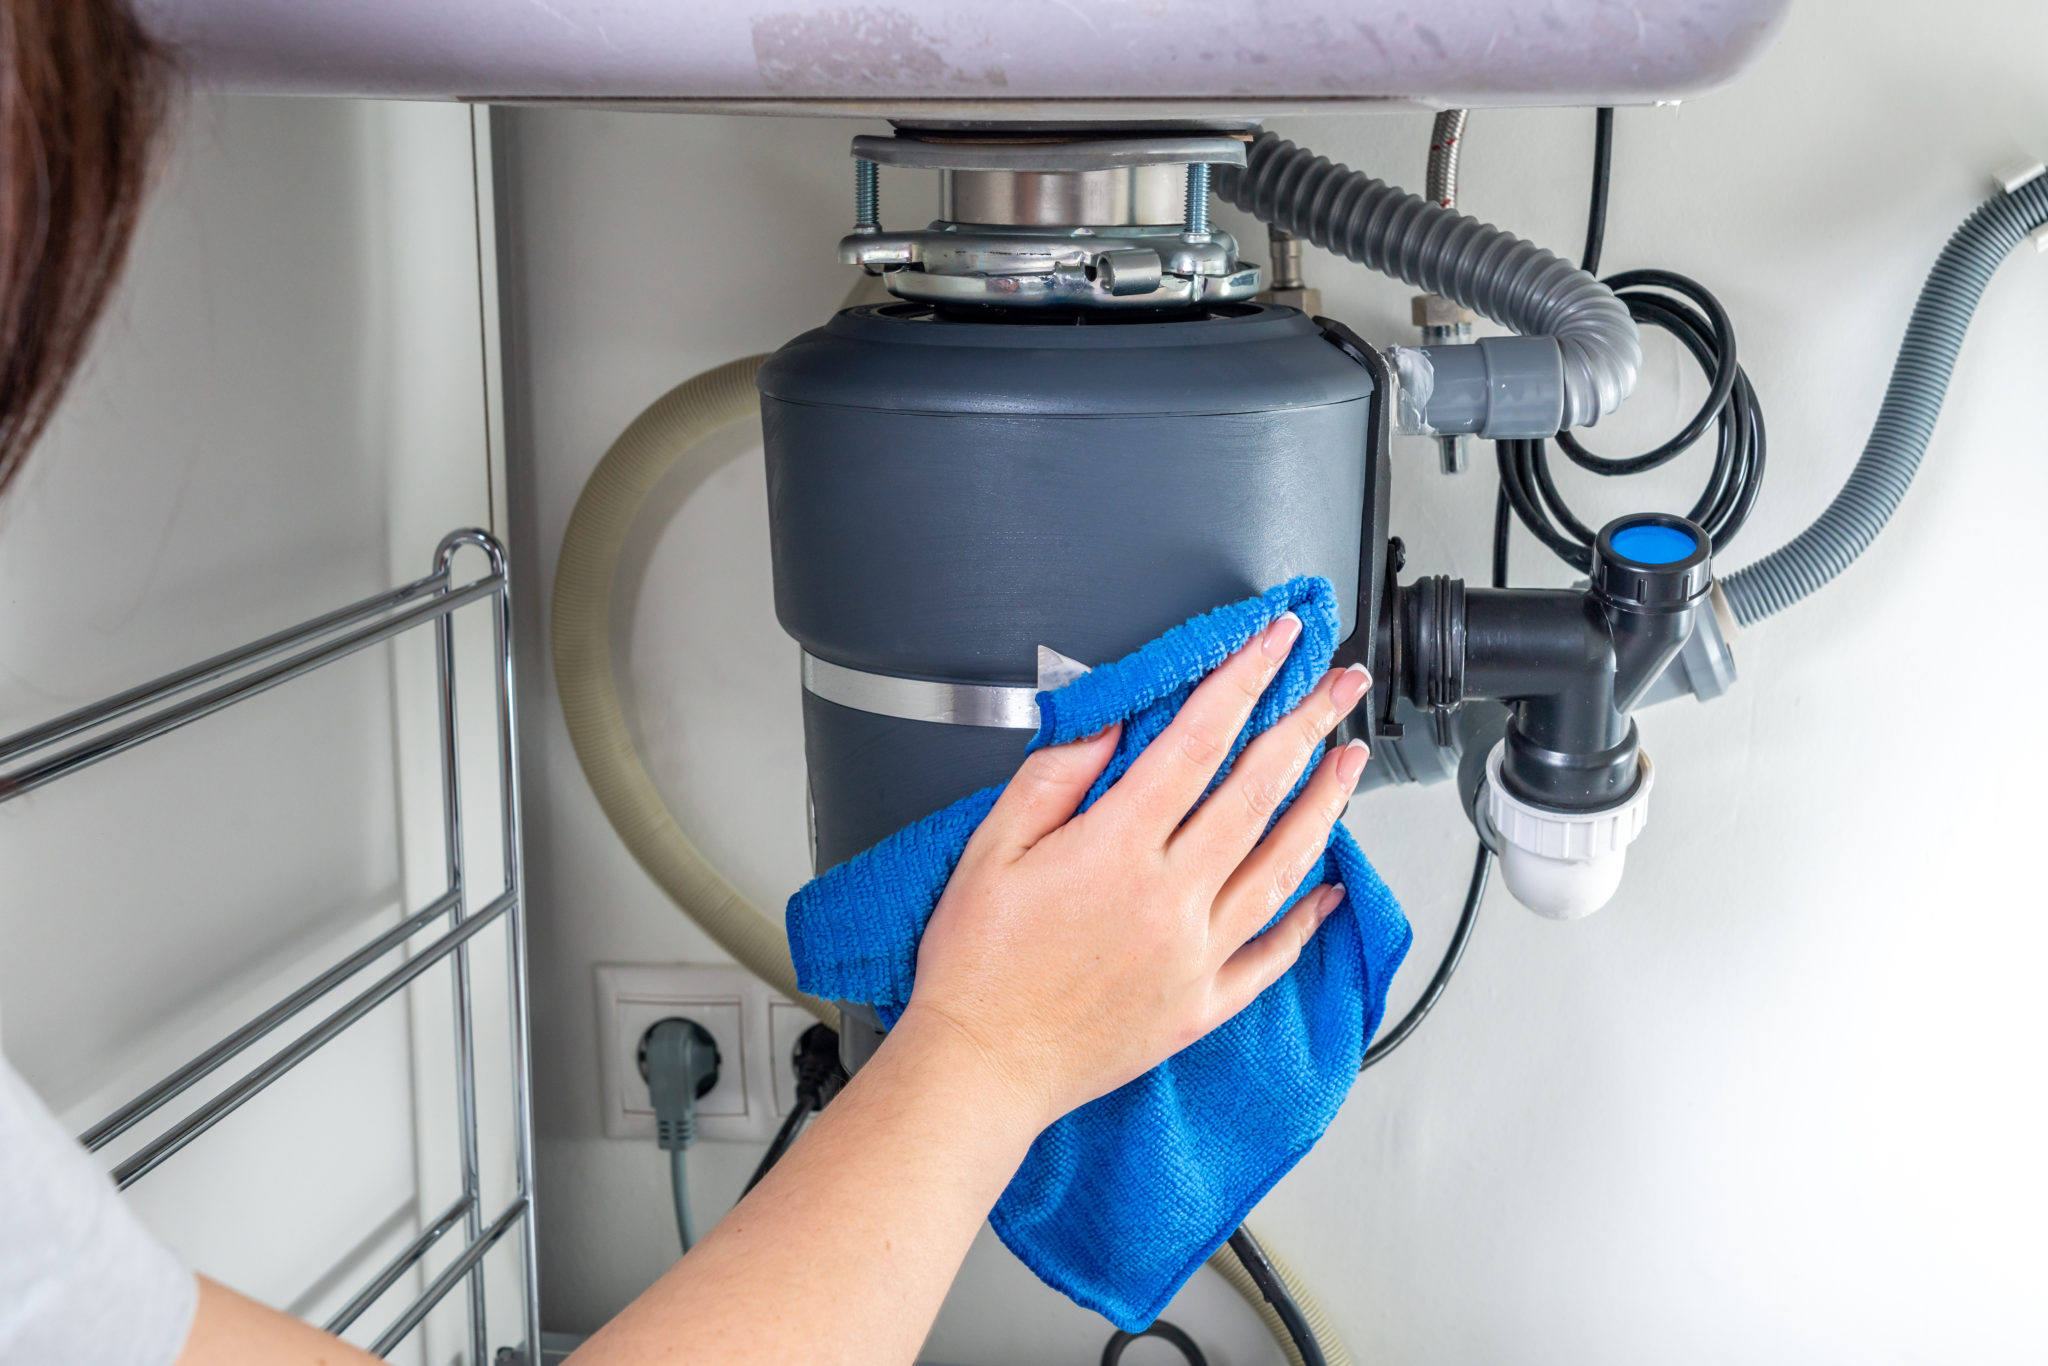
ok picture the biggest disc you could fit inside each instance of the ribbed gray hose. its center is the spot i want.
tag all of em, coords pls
(1905, 421)
(1496, 274)
(1446, 139)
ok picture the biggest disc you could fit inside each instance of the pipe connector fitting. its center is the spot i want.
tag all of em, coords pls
(1561, 864)
(1494, 273)
(1651, 575)
(1565, 788)
(1497, 388)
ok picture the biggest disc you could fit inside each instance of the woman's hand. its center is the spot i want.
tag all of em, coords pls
(1075, 952)
(1068, 955)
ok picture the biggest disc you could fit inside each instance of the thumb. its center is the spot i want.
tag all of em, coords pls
(1048, 789)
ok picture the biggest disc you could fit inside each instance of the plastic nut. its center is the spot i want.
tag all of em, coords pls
(1563, 865)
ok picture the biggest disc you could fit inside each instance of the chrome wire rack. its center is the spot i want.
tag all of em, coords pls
(47, 752)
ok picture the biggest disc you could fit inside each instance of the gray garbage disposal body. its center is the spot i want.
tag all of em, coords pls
(947, 495)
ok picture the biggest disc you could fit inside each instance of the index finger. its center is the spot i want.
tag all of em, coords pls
(1163, 784)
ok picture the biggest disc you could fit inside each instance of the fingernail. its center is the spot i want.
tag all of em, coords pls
(1280, 636)
(1351, 685)
(1351, 763)
(1332, 899)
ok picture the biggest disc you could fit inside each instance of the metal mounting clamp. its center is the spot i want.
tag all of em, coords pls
(997, 705)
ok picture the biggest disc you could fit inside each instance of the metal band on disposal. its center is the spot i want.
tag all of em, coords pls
(997, 705)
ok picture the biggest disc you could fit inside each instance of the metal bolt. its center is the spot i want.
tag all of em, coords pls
(1198, 199)
(867, 196)
(1444, 323)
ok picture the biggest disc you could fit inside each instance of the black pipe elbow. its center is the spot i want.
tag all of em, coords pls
(1570, 665)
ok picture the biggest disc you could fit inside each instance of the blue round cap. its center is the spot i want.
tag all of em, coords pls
(1653, 543)
(1652, 563)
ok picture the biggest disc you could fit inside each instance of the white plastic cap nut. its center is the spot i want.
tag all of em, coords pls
(1563, 864)
(1561, 889)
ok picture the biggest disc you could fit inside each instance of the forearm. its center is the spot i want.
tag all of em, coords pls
(844, 1252)
(232, 1330)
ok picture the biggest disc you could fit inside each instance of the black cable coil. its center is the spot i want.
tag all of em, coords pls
(1687, 310)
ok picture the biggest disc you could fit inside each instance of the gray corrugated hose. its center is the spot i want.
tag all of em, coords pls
(1905, 421)
(1496, 274)
(671, 429)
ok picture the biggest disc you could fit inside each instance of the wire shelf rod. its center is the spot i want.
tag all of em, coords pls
(122, 703)
(408, 1257)
(449, 1278)
(465, 1013)
(32, 776)
(232, 1099)
(180, 1081)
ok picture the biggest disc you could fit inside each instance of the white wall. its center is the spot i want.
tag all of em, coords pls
(284, 412)
(1780, 1102)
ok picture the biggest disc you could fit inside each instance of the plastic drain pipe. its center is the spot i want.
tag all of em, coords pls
(579, 624)
(670, 432)
(1905, 421)
(1578, 353)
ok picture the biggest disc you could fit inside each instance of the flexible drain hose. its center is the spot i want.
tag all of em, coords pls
(1905, 421)
(579, 623)
(580, 626)
(1496, 274)
(1225, 1264)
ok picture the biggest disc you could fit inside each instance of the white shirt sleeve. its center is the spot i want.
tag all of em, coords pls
(82, 1282)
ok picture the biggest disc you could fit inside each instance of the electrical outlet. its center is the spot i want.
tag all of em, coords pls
(748, 1020)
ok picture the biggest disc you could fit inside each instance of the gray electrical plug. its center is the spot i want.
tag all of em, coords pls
(679, 1059)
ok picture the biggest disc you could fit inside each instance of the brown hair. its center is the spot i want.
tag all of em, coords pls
(82, 94)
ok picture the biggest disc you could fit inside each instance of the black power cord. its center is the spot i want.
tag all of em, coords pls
(1690, 312)
(1475, 893)
(819, 1076)
(1596, 215)
(1270, 1283)
(1113, 1350)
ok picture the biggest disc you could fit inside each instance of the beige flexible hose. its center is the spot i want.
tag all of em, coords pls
(667, 433)
(659, 439)
(1225, 1264)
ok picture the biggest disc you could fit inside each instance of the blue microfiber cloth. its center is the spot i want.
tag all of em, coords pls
(1118, 1203)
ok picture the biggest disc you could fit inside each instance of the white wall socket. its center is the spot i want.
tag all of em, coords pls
(756, 1030)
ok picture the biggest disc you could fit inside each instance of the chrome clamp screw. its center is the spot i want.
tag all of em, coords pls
(1198, 201)
(867, 196)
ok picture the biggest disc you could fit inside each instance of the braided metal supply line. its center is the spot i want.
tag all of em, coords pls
(1446, 140)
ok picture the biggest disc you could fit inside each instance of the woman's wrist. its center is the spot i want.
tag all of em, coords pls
(937, 1051)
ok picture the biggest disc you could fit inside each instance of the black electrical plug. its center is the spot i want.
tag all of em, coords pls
(679, 1059)
(819, 1075)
